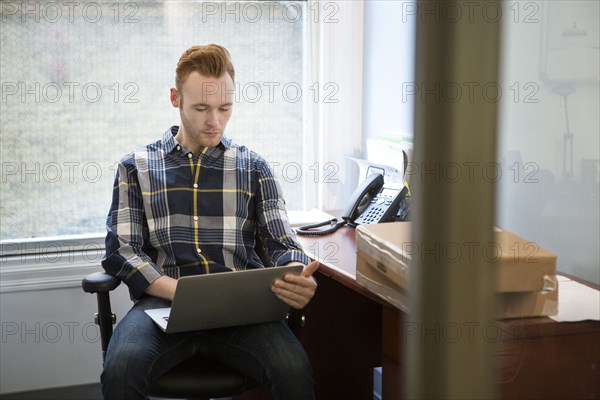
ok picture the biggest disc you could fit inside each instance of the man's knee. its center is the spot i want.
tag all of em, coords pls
(293, 364)
(122, 362)
(125, 356)
(292, 379)
(125, 374)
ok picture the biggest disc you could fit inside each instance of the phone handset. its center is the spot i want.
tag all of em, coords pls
(360, 200)
(362, 197)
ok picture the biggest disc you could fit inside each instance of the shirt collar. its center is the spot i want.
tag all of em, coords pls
(170, 143)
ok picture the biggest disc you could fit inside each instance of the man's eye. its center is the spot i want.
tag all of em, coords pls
(201, 109)
(224, 109)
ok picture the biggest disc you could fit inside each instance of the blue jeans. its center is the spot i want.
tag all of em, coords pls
(139, 352)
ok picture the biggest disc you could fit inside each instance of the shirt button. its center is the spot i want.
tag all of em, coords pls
(178, 147)
(199, 250)
(195, 218)
(190, 155)
(195, 185)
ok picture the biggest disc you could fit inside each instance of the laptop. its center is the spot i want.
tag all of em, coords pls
(224, 299)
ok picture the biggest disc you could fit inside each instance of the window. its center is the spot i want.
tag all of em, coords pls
(83, 83)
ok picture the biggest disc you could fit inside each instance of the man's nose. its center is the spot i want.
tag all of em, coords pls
(213, 118)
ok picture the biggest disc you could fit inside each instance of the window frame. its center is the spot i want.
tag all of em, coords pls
(48, 262)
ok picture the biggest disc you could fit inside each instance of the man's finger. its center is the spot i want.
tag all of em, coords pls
(310, 269)
(292, 300)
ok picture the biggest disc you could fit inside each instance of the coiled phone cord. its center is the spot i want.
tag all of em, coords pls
(307, 230)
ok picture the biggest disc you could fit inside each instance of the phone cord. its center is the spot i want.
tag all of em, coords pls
(307, 230)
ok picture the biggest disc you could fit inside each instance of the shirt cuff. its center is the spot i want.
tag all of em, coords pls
(293, 256)
(138, 281)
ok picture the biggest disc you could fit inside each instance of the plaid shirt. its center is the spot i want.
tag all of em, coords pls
(176, 214)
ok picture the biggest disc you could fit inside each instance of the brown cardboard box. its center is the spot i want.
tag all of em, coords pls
(522, 265)
(526, 280)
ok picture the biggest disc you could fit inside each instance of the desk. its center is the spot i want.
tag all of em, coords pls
(349, 331)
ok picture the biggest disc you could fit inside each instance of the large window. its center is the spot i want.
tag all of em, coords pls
(83, 83)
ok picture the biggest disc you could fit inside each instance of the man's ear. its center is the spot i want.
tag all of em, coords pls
(175, 98)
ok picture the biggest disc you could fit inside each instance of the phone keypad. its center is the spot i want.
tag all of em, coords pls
(374, 214)
(377, 208)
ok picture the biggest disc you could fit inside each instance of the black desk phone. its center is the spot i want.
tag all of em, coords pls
(372, 202)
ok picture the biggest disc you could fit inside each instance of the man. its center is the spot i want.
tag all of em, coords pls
(192, 203)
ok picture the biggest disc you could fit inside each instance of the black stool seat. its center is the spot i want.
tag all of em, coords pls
(201, 378)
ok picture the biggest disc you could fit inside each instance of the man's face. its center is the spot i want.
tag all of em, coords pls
(205, 106)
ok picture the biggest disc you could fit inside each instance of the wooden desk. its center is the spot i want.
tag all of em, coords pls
(349, 331)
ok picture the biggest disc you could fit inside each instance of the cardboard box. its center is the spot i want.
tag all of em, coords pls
(522, 265)
(381, 285)
(526, 273)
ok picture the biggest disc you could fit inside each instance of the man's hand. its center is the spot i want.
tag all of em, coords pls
(297, 290)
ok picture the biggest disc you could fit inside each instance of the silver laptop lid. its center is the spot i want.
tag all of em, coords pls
(227, 299)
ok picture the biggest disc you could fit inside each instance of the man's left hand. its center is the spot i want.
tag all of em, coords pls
(297, 290)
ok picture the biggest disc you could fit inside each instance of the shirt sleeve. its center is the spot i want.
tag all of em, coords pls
(127, 246)
(274, 226)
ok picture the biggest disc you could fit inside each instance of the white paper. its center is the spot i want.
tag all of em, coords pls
(366, 168)
(576, 302)
(388, 152)
(299, 218)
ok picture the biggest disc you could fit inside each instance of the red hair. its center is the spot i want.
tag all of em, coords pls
(210, 60)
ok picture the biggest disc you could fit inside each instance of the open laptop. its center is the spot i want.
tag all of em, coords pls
(224, 299)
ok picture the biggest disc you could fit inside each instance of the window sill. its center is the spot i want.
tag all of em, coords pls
(48, 263)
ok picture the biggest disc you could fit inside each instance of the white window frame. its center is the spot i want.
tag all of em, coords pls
(49, 262)
(335, 56)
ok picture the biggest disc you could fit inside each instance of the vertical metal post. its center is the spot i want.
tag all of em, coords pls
(452, 179)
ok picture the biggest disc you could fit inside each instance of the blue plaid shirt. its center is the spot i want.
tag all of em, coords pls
(175, 214)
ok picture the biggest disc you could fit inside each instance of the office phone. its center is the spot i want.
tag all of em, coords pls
(372, 202)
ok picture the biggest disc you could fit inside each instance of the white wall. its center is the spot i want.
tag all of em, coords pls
(48, 335)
